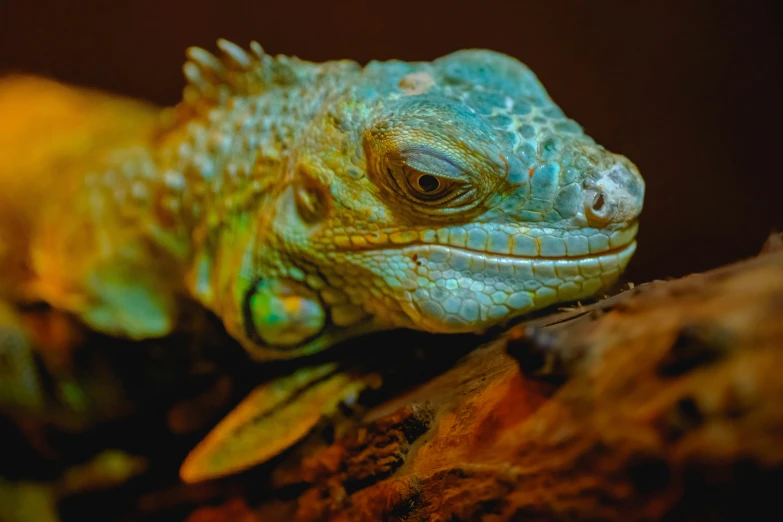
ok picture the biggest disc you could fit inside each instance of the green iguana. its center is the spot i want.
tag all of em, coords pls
(304, 204)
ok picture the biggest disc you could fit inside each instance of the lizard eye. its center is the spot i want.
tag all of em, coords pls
(423, 186)
(425, 178)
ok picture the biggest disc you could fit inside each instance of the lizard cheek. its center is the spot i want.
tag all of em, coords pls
(282, 314)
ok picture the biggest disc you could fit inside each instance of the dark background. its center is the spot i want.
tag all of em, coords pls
(690, 90)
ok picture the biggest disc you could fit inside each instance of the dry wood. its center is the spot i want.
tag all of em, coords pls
(665, 401)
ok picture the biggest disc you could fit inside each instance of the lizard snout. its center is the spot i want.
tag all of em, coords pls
(614, 195)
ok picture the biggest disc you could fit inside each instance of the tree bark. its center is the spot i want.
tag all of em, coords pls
(663, 402)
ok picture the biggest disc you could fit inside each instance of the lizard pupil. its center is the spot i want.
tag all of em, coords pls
(428, 183)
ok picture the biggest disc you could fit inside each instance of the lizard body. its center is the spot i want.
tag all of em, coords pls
(306, 203)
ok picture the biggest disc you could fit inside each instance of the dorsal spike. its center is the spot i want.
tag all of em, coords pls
(240, 57)
(193, 75)
(257, 49)
(206, 60)
(236, 71)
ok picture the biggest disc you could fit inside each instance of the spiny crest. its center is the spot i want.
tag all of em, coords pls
(238, 72)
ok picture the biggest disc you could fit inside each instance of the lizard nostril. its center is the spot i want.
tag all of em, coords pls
(598, 210)
(598, 202)
(613, 195)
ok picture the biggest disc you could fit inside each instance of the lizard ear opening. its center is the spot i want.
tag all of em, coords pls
(310, 196)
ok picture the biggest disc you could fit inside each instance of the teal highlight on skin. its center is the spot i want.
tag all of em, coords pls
(263, 306)
(275, 323)
(567, 201)
(544, 181)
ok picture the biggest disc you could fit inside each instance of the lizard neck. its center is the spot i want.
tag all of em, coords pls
(215, 168)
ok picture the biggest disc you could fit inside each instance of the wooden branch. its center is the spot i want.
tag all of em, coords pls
(665, 401)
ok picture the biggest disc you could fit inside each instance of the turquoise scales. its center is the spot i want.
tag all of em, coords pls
(442, 196)
(306, 203)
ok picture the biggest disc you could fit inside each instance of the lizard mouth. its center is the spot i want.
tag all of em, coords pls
(456, 289)
(461, 261)
(521, 243)
(450, 283)
(510, 257)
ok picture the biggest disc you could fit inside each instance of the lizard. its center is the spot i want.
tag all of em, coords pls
(304, 204)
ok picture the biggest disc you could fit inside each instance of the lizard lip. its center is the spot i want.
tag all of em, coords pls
(603, 253)
(540, 245)
(623, 251)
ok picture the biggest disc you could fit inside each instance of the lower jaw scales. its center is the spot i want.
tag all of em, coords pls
(457, 290)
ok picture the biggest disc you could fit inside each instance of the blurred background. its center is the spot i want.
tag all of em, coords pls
(689, 91)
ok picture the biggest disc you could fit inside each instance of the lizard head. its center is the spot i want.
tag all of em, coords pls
(446, 196)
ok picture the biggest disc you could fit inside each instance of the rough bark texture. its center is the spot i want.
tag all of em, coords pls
(664, 402)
